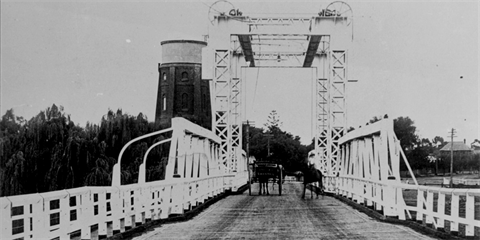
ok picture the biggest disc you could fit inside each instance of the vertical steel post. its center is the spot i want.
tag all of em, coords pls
(337, 110)
(221, 85)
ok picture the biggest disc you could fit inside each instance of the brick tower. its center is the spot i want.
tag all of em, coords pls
(181, 91)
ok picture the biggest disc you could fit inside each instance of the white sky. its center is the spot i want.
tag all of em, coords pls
(408, 57)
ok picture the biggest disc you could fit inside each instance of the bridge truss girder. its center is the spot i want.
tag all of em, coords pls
(238, 42)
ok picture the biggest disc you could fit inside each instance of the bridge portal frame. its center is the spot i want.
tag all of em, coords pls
(235, 42)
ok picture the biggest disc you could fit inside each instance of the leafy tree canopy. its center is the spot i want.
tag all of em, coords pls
(49, 152)
(285, 148)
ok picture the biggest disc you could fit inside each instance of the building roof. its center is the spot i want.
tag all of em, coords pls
(457, 147)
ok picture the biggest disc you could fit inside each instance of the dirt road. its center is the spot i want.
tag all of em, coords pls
(281, 217)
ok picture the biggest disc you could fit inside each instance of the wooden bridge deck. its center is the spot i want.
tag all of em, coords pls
(281, 217)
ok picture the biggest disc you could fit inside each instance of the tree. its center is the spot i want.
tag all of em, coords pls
(438, 141)
(405, 132)
(99, 176)
(417, 151)
(285, 148)
(273, 121)
(49, 152)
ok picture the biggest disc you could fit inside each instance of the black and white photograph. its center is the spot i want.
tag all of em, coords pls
(239, 119)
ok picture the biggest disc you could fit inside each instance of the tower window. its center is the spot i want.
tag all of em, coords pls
(184, 76)
(184, 101)
(164, 76)
(164, 100)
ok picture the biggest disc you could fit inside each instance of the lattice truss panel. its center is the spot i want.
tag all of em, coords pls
(330, 112)
(371, 152)
(322, 114)
(221, 86)
(236, 122)
(228, 120)
(337, 105)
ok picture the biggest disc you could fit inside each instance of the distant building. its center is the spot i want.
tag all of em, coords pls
(475, 146)
(457, 147)
(181, 90)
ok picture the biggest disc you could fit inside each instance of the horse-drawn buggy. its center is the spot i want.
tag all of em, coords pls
(265, 172)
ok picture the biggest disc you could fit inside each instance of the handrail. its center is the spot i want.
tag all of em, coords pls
(116, 176)
(388, 196)
(141, 171)
(59, 214)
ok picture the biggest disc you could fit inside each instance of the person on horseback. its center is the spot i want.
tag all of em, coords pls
(311, 175)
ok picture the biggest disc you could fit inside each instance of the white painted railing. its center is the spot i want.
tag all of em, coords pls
(62, 214)
(370, 175)
(193, 174)
(381, 196)
(433, 205)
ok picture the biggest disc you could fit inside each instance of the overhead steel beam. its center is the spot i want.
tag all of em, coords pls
(246, 45)
(311, 50)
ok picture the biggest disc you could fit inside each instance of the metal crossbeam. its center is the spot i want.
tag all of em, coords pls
(311, 50)
(247, 48)
(261, 49)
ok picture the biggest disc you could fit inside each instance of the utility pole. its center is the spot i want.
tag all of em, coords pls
(268, 148)
(268, 143)
(437, 144)
(451, 157)
(248, 156)
(248, 159)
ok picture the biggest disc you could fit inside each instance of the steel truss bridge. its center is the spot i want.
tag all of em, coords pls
(362, 165)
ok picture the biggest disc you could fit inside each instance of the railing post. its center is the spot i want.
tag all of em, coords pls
(454, 213)
(117, 209)
(348, 188)
(86, 204)
(369, 193)
(188, 196)
(390, 198)
(469, 214)
(35, 212)
(165, 205)
(420, 198)
(6, 219)
(400, 203)
(429, 208)
(177, 198)
(148, 199)
(127, 206)
(441, 211)
(138, 206)
(357, 190)
(102, 213)
(378, 197)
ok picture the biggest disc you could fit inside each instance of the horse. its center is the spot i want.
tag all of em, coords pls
(277, 179)
(263, 182)
(312, 175)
